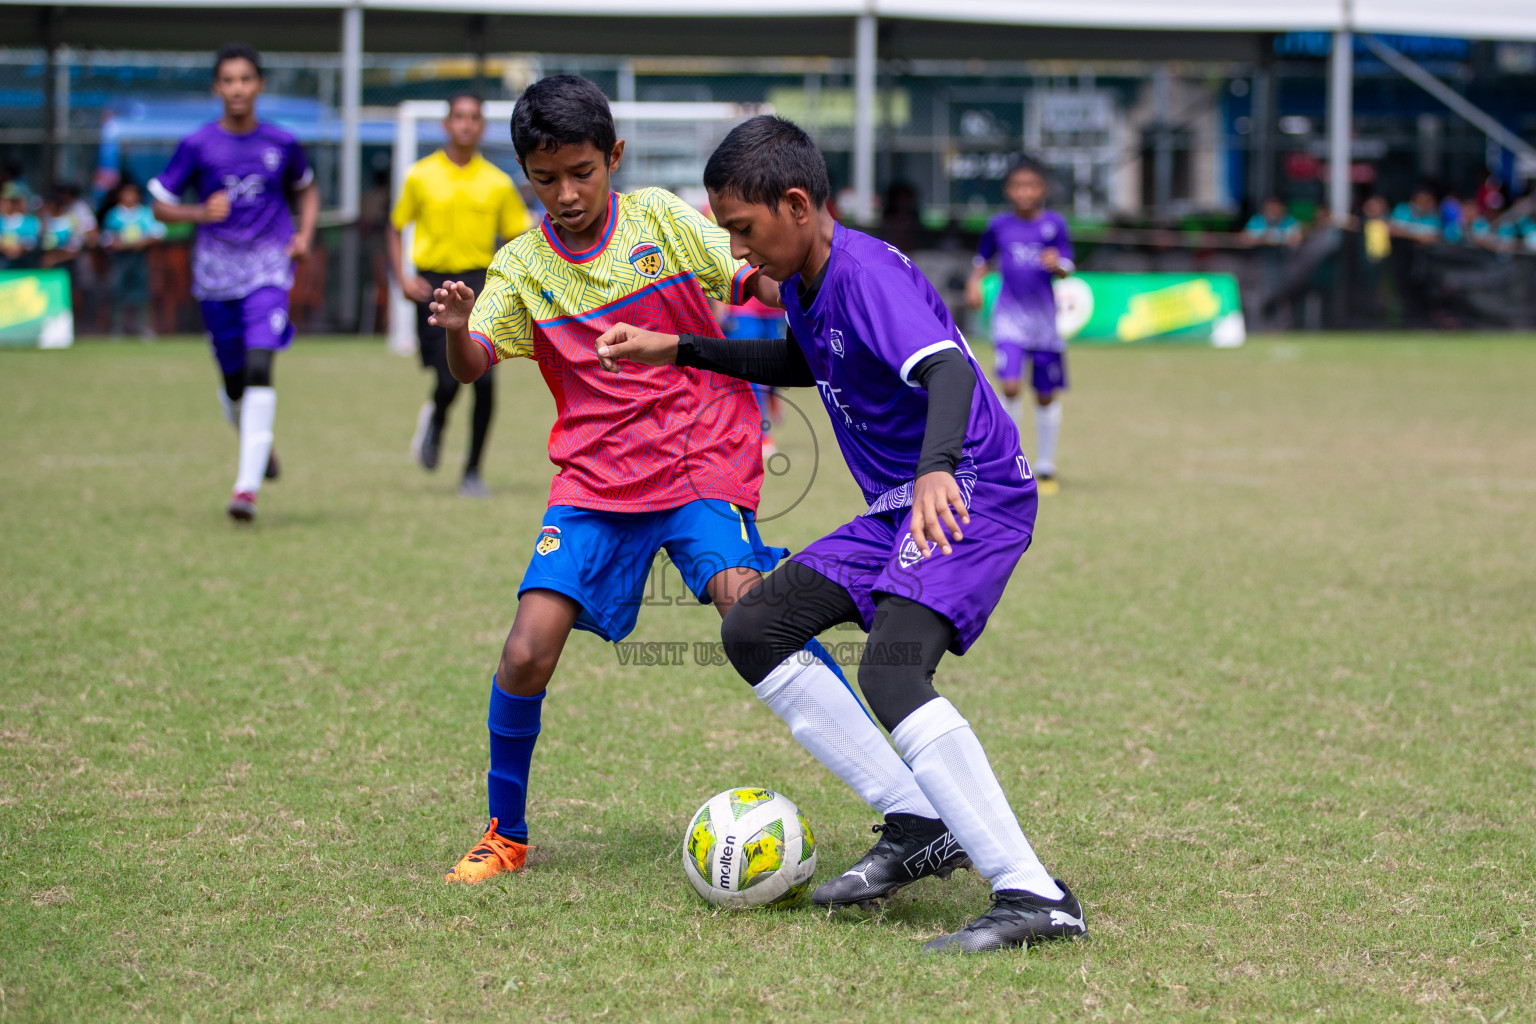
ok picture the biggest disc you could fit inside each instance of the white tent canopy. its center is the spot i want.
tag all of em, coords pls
(1476, 19)
(823, 27)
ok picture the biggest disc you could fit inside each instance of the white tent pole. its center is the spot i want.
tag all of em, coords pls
(351, 109)
(350, 186)
(1341, 110)
(864, 119)
(402, 312)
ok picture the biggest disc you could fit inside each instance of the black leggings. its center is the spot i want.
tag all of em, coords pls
(434, 355)
(257, 373)
(777, 617)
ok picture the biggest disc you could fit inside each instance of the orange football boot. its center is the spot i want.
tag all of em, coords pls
(492, 855)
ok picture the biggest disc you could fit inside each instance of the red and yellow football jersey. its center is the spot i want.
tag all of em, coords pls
(648, 438)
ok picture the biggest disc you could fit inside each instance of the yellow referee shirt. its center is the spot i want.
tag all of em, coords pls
(459, 212)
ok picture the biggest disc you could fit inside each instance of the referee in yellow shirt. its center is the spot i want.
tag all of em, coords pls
(460, 203)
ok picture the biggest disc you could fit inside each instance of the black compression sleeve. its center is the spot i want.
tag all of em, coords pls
(776, 362)
(950, 381)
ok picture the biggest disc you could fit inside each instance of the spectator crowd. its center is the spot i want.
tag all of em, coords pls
(1435, 259)
(106, 251)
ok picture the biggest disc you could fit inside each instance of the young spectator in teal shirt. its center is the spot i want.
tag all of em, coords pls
(19, 230)
(128, 230)
(1417, 219)
(1272, 226)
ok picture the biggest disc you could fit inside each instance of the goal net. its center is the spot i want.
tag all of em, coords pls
(666, 145)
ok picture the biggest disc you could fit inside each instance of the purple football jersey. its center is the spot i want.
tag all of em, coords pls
(1025, 313)
(247, 251)
(875, 318)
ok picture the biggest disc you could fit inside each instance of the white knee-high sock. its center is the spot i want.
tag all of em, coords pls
(1014, 407)
(1047, 427)
(231, 409)
(258, 407)
(950, 766)
(828, 720)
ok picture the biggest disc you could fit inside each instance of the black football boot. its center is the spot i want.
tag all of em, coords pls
(909, 848)
(1017, 918)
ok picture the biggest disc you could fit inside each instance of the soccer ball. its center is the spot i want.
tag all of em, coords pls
(749, 848)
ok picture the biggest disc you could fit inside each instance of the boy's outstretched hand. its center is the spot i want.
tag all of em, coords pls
(451, 306)
(636, 345)
(936, 505)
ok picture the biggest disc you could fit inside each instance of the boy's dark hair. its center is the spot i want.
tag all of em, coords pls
(238, 51)
(562, 110)
(465, 94)
(764, 157)
(1027, 165)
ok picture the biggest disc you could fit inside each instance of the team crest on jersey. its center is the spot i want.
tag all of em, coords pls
(909, 555)
(835, 340)
(272, 158)
(645, 257)
(549, 540)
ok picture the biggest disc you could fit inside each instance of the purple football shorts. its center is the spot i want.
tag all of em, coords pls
(876, 554)
(260, 320)
(1048, 370)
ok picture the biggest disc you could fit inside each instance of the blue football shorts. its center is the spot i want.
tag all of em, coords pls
(603, 560)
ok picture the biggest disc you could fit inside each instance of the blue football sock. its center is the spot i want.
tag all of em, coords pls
(514, 725)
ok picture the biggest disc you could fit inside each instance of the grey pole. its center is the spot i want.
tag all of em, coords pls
(51, 17)
(1341, 104)
(864, 119)
(350, 187)
(1162, 153)
(1261, 136)
(351, 184)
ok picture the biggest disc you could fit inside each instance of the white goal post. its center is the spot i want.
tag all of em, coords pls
(666, 145)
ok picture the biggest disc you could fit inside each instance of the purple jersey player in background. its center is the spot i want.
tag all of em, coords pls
(1030, 248)
(242, 262)
(951, 509)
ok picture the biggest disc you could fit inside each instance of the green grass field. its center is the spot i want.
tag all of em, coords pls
(1263, 692)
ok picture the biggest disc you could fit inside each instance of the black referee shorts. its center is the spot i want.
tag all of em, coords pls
(434, 340)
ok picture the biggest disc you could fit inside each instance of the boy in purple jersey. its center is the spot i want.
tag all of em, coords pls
(951, 510)
(1030, 248)
(242, 261)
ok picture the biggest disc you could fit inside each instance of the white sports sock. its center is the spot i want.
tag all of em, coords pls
(231, 410)
(258, 408)
(423, 420)
(1047, 427)
(828, 720)
(950, 766)
(1014, 407)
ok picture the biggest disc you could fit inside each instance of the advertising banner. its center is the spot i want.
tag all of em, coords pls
(1124, 308)
(35, 309)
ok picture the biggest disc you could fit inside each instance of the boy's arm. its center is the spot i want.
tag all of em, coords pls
(451, 307)
(167, 186)
(973, 296)
(309, 216)
(765, 290)
(936, 502)
(406, 210)
(896, 324)
(775, 362)
(213, 211)
(986, 256)
(1063, 264)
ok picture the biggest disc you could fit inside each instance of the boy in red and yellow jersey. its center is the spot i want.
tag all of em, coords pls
(659, 457)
